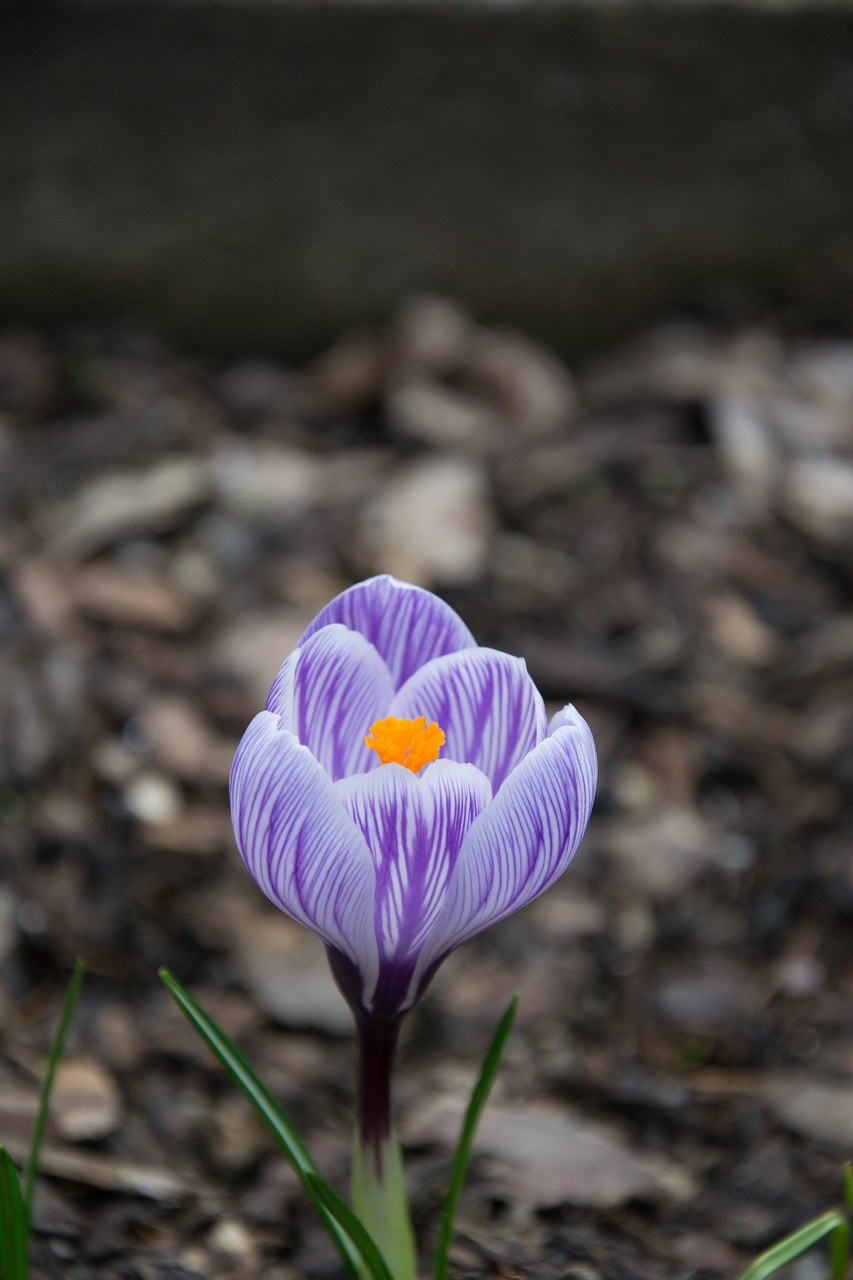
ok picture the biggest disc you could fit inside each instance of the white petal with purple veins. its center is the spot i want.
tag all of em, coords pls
(390, 869)
(407, 625)
(300, 845)
(524, 840)
(329, 692)
(490, 710)
(414, 827)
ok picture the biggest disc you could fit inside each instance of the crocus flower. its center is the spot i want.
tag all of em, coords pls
(402, 791)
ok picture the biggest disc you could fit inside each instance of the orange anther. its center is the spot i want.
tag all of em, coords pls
(412, 743)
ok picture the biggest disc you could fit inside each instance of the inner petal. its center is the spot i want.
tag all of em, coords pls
(413, 828)
(407, 625)
(327, 691)
(489, 708)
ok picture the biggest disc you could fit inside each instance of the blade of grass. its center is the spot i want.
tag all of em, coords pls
(56, 1052)
(339, 1209)
(839, 1251)
(267, 1108)
(793, 1245)
(479, 1095)
(13, 1222)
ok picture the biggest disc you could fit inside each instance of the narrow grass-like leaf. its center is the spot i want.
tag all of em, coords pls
(57, 1049)
(793, 1245)
(354, 1227)
(13, 1222)
(267, 1108)
(839, 1251)
(479, 1095)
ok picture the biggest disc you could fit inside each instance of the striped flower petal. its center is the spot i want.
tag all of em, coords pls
(393, 867)
(414, 827)
(489, 708)
(523, 841)
(329, 692)
(407, 625)
(299, 844)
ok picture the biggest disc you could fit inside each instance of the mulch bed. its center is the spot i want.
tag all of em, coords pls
(665, 536)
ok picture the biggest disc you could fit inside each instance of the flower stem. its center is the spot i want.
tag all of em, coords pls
(378, 1188)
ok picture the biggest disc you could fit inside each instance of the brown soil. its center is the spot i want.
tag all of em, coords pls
(665, 537)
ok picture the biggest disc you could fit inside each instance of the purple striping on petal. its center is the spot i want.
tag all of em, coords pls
(390, 868)
(328, 693)
(414, 827)
(523, 841)
(299, 845)
(487, 705)
(407, 626)
(280, 697)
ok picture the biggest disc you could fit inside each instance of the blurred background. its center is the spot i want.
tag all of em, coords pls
(545, 307)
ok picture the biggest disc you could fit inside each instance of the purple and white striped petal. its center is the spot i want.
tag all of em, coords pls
(299, 844)
(414, 827)
(490, 710)
(407, 625)
(523, 841)
(329, 692)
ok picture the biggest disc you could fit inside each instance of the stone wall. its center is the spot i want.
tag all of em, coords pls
(269, 172)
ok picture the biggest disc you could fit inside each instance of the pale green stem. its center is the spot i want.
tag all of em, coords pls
(379, 1199)
(378, 1186)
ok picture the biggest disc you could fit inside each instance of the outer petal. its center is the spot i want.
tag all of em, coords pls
(407, 625)
(300, 846)
(524, 840)
(487, 705)
(329, 692)
(414, 827)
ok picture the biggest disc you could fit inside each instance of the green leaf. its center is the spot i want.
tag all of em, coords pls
(839, 1251)
(794, 1244)
(339, 1209)
(13, 1222)
(479, 1095)
(56, 1052)
(268, 1109)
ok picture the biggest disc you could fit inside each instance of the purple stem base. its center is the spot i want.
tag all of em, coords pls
(377, 1043)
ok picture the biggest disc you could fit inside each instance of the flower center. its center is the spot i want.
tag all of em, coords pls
(412, 743)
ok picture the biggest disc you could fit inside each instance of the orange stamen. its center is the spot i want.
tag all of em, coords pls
(412, 743)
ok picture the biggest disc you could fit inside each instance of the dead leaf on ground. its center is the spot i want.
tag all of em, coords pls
(110, 508)
(818, 1109)
(86, 1103)
(548, 1157)
(661, 854)
(143, 601)
(287, 972)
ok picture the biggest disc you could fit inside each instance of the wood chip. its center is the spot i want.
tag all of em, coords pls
(529, 382)
(662, 853)
(182, 742)
(258, 478)
(739, 632)
(108, 1174)
(112, 508)
(548, 1157)
(198, 830)
(819, 497)
(818, 1109)
(136, 601)
(86, 1103)
(287, 972)
(432, 524)
(440, 416)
